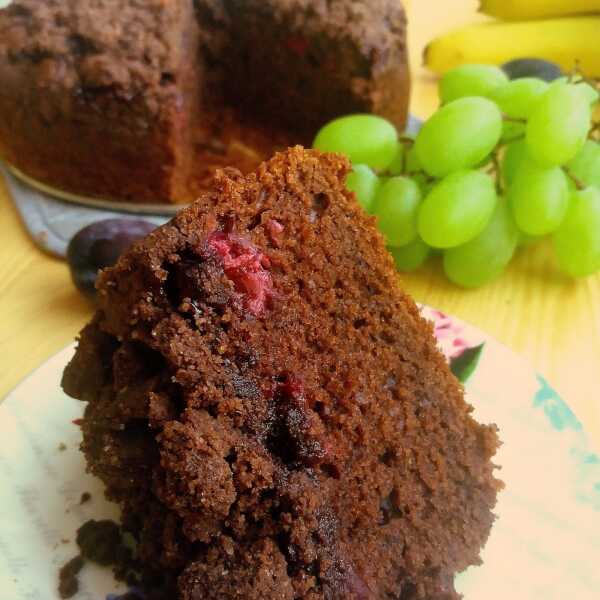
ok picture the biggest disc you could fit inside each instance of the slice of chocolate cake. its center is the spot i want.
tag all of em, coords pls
(269, 409)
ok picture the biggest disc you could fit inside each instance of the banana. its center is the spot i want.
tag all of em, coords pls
(563, 41)
(517, 10)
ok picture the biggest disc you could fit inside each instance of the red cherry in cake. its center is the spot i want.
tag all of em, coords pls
(247, 267)
(297, 44)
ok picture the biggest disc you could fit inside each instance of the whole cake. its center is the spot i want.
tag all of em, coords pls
(141, 100)
(269, 409)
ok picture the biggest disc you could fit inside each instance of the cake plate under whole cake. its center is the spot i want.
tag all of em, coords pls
(146, 208)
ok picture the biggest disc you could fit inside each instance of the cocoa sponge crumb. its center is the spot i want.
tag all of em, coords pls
(68, 584)
(85, 497)
(100, 541)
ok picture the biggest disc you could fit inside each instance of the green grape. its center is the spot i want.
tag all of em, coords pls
(396, 167)
(365, 139)
(457, 209)
(512, 131)
(425, 184)
(586, 165)
(458, 136)
(397, 205)
(589, 93)
(412, 256)
(514, 155)
(413, 164)
(405, 158)
(485, 257)
(558, 126)
(577, 241)
(528, 240)
(470, 80)
(415, 171)
(365, 184)
(538, 197)
(518, 98)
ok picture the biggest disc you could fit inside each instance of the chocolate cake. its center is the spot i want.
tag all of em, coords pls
(141, 100)
(270, 410)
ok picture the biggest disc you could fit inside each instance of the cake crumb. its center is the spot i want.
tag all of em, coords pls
(99, 541)
(68, 583)
(85, 497)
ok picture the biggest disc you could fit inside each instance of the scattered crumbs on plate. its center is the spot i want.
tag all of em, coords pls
(62, 447)
(85, 497)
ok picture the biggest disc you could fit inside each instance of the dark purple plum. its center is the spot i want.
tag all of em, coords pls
(532, 67)
(99, 245)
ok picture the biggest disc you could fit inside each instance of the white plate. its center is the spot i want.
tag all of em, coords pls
(545, 544)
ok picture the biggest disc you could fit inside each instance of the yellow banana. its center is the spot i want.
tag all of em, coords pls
(564, 41)
(518, 10)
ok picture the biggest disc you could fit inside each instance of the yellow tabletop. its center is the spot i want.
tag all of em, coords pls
(553, 321)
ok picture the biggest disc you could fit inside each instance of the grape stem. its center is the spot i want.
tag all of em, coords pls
(578, 76)
(406, 141)
(428, 178)
(497, 171)
(578, 183)
(508, 119)
(494, 170)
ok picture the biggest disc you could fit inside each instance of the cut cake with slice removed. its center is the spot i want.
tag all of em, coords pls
(270, 410)
(141, 100)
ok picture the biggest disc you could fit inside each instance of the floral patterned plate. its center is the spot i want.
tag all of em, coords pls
(545, 544)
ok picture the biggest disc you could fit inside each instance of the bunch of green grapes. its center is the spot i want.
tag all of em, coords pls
(499, 164)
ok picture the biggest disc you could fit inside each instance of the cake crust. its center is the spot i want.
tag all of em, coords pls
(311, 444)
